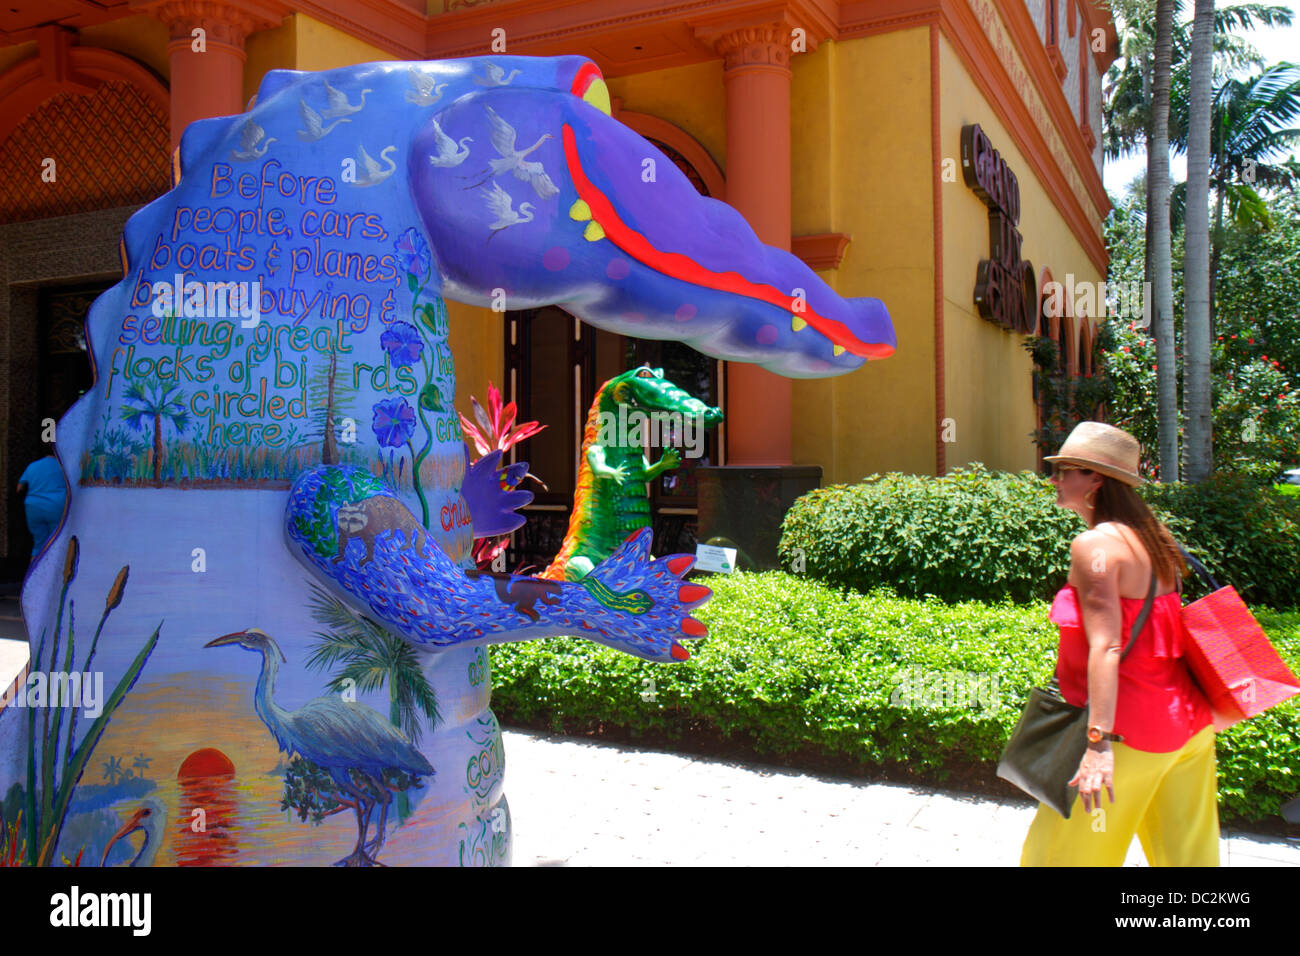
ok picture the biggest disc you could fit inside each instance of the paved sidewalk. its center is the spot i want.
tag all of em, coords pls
(577, 803)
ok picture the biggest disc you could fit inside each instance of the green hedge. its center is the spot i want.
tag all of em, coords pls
(793, 665)
(977, 534)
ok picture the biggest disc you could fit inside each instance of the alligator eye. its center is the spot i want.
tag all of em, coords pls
(645, 373)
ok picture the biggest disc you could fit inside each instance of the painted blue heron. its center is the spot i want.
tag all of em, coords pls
(349, 741)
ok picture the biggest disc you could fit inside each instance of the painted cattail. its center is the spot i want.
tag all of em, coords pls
(115, 592)
(70, 563)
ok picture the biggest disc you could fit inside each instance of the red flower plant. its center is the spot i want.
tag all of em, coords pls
(496, 429)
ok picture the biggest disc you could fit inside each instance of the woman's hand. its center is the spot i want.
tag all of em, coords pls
(1096, 769)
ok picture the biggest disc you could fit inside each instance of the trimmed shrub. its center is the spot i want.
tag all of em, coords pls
(977, 534)
(974, 534)
(791, 665)
(1246, 534)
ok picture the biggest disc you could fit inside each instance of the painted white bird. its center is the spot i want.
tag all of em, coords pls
(496, 76)
(502, 207)
(250, 135)
(312, 120)
(450, 153)
(339, 105)
(515, 161)
(424, 91)
(374, 173)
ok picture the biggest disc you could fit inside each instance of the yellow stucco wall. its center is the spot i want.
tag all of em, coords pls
(691, 97)
(142, 38)
(861, 165)
(988, 380)
(269, 50)
(322, 47)
(478, 343)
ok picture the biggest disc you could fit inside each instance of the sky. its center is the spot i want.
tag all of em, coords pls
(1275, 45)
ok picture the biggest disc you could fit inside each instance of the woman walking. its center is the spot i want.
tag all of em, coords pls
(1150, 730)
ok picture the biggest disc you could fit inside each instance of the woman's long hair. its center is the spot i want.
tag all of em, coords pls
(1118, 502)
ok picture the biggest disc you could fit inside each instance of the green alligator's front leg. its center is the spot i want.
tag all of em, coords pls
(601, 467)
(670, 460)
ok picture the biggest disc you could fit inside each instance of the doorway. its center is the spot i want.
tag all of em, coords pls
(555, 365)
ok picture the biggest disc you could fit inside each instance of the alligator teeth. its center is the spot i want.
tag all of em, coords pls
(797, 323)
(838, 350)
(580, 211)
(593, 232)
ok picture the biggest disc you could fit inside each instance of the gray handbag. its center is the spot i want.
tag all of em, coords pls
(1045, 748)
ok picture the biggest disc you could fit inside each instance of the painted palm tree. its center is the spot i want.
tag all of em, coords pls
(150, 402)
(372, 657)
(112, 769)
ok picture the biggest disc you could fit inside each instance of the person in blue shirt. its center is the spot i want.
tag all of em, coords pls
(43, 491)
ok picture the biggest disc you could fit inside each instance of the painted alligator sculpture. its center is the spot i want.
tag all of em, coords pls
(270, 462)
(610, 501)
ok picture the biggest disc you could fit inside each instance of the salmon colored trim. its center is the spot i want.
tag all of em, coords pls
(869, 17)
(936, 204)
(61, 68)
(680, 266)
(1057, 62)
(1015, 17)
(654, 127)
(1097, 16)
(821, 252)
(986, 71)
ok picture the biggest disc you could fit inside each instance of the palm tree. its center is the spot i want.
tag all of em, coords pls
(1196, 258)
(372, 656)
(1249, 131)
(150, 401)
(1162, 283)
(1128, 94)
(112, 769)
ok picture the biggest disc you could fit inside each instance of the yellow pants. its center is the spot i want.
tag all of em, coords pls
(1168, 800)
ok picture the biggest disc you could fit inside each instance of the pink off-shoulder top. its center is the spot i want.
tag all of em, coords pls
(1158, 707)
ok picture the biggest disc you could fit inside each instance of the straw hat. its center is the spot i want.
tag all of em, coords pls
(1103, 448)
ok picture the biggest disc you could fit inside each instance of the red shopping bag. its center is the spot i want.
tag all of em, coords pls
(1231, 657)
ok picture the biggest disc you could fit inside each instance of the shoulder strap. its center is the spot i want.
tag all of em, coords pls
(1201, 570)
(1142, 617)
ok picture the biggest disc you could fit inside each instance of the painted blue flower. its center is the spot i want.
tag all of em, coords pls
(394, 422)
(403, 343)
(413, 252)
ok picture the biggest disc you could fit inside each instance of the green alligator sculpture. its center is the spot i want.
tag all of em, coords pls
(610, 501)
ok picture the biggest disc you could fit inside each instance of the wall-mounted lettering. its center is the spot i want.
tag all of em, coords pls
(1006, 289)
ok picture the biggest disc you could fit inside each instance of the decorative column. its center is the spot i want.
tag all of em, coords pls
(757, 75)
(207, 81)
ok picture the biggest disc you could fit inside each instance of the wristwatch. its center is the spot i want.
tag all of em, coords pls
(1096, 735)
